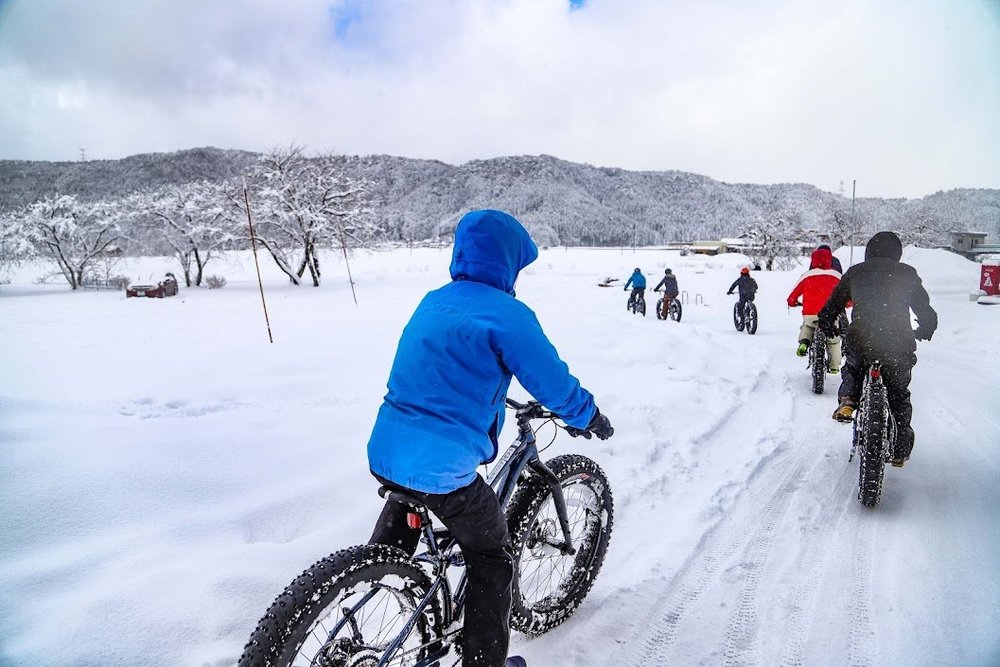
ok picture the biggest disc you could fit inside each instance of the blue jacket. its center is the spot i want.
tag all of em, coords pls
(445, 406)
(637, 281)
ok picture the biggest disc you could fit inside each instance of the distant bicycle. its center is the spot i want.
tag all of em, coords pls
(637, 302)
(874, 435)
(745, 318)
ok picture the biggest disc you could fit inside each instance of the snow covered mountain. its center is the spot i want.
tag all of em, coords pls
(561, 202)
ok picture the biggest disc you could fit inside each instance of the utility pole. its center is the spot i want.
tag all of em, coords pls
(854, 231)
(83, 155)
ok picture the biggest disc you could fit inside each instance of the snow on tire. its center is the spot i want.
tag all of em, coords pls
(549, 585)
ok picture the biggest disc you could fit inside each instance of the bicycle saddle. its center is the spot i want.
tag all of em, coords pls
(400, 497)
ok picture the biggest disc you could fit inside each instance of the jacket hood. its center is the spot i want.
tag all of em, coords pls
(885, 245)
(491, 247)
(822, 258)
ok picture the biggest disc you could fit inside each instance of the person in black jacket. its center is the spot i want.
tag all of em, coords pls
(670, 290)
(746, 285)
(884, 291)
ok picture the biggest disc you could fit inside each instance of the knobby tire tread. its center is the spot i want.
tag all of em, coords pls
(283, 627)
(521, 513)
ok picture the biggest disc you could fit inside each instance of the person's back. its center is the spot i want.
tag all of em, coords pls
(814, 288)
(884, 291)
(670, 291)
(746, 285)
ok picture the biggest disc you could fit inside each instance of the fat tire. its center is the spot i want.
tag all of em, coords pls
(737, 317)
(676, 312)
(871, 445)
(659, 310)
(284, 627)
(818, 358)
(750, 318)
(531, 494)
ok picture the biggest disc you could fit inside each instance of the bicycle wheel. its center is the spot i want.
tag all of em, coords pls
(818, 361)
(659, 309)
(345, 610)
(751, 318)
(738, 317)
(548, 584)
(872, 424)
(675, 310)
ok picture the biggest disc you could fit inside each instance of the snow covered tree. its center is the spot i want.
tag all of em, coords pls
(775, 236)
(191, 218)
(925, 228)
(72, 233)
(301, 205)
(15, 246)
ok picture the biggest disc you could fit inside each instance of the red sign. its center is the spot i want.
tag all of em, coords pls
(989, 279)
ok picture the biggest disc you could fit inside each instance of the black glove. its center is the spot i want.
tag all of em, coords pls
(922, 334)
(729, 293)
(599, 425)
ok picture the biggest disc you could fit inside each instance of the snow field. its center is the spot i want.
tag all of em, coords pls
(167, 471)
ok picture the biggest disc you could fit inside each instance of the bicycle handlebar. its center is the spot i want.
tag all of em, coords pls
(531, 409)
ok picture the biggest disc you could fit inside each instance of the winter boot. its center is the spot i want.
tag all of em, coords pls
(803, 349)
(845, 412)
(903, 446)
(833, 371)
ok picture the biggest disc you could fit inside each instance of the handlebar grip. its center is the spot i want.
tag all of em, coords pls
(511, 403)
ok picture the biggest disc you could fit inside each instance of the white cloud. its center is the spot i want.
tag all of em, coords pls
(901, 95)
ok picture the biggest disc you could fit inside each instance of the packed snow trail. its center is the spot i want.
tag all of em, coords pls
(156, 503)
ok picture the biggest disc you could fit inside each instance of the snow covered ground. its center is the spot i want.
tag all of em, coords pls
(166, 472)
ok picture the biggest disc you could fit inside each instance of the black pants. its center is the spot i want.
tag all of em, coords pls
(896, 375)
(473, 516)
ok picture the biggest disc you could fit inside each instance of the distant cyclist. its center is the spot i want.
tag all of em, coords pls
(815, 287)
(638, 283)
(670, 291)
(747, 287)
(884, 291)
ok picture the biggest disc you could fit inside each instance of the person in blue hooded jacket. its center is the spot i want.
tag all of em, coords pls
(445, 407)
(638, 283)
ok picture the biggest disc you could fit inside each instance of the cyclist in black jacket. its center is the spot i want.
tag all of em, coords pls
(746, 285)
(670, 290)
(884, 291)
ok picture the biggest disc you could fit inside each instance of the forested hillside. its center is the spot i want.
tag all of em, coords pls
(562, 202)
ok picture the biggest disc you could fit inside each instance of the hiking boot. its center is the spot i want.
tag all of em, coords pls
(845, 412)
(898, 461)
(802, 350)
(833, 371)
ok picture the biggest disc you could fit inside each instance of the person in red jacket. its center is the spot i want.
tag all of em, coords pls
(814, 288)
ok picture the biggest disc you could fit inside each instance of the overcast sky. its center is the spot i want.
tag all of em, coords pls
(903, 95)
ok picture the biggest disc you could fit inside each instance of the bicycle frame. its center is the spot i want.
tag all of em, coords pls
(441, 547)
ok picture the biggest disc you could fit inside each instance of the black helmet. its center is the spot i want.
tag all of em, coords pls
(637, 270)
(666, 271)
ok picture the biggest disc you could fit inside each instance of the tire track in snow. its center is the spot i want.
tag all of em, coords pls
(756, 512)
(862, 648)
(812, 559)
